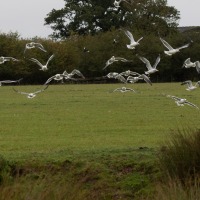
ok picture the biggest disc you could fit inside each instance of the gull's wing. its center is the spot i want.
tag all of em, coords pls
(19, 91)
(191, 104)
(41, 90)
(11, 58)
(112, 75)
(108, 62)
(187, 61)
(75, 71)
(121, 78)
(11, 81)
(157, 61)
(65, 73)
(117, 89)
(130, 89)
(144, 60)
(167, 45)
(129, 35)
(52, 56)
(122, 59)
(38, 45)
(174, 97)
(198, 83)
(36, 61)
(146, 78)
(184, 46)
(49, 80)
(188, 82)
(197, 66)
(130, 73)
(139, 39)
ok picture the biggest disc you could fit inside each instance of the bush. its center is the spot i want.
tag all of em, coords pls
(180, 158)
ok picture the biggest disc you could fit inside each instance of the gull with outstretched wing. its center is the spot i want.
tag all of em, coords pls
(190, 86)
(32, 94)
(115, 59)
(181, 101)
(151, 69)
(43, 67)
(187, 64)
(10, 81)
(5, 59)
(171, 50)
(32, 45)
(133, 43)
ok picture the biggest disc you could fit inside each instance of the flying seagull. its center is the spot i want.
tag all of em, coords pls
(115, 59)
(190, 86)
(129, 73)
(43, 67)
(58, 77)
(10, 81)
(124, 89)
(133, 43)
(181, 102)
(187, 64)
(117, 76)
(134, 79)
(70, 75)
(171, 50)
(5, 59)
(151, 69)
(33, 94)
(32, 45)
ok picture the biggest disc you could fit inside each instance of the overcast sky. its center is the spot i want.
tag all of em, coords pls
(27, 16)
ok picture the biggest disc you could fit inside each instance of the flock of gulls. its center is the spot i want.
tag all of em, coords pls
(124, 77)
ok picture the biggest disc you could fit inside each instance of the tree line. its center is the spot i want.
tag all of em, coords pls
(146, 18)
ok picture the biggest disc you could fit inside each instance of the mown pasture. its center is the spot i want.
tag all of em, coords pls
(76, 119)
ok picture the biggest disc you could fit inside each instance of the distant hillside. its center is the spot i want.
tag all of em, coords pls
(183, 29)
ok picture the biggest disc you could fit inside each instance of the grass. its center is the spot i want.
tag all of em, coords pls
(74, 119)
(84, 142)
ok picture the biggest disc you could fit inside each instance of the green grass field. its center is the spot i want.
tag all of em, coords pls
(69, 120)
(82, 142)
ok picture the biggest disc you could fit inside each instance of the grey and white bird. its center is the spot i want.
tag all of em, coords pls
(190, 86)
(171, 50)
(74, 72)
(134, 79)
(129, 73)
(32, 94)
(58, 77)
(188, 64)
(5, 59)
(32, 45)
(133, 43)
(115, 59)
(117, 3)
(151, 69)
(117, 76)
(10, 81)
(111, 75)
(182, 102)
(124, 89)
(43, 67)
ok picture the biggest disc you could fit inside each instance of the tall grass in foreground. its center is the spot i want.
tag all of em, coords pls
(180, 158)
(175, 190)
(180, 161)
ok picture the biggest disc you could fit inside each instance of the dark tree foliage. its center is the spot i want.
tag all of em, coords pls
(93, 16)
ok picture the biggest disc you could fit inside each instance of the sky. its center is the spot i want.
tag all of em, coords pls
(27, 16)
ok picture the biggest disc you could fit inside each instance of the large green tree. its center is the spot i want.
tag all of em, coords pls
(92, 16)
